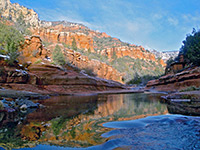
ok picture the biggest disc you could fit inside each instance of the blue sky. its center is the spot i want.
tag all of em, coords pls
(154, 24)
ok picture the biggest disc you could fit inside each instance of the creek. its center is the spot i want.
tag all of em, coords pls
(100, 122)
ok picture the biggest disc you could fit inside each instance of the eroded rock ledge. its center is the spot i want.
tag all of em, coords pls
(178, 81)
(51, 79)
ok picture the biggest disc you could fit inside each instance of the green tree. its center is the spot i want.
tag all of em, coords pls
(170, 61)
(89, 50)
(74, 46)
(191, 48)
(10, 41)
(114, 56)
(58, 57)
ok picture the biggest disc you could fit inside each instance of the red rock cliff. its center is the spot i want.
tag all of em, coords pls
(61, 34)
(133, 52)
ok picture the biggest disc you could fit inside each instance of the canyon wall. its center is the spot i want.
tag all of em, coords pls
(14, 11)
(60, 34)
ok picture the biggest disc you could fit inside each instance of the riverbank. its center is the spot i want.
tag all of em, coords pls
(8, 93)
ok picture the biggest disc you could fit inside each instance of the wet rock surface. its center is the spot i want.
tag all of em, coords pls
(17, 104)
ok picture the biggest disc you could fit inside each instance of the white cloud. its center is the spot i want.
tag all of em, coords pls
(173, 21)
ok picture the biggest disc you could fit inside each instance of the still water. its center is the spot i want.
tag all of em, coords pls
(101, 122)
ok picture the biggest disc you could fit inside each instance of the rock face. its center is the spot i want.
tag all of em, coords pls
(101, 69)
(61, 34)
(178, 81)
(11, 74)
(13, 12)
(133, 52)
(50, 79)
(33, 50)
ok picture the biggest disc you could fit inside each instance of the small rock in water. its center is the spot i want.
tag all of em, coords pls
(41, 106)
(23, 107)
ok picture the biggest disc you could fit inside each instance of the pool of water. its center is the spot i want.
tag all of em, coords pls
(128, 121)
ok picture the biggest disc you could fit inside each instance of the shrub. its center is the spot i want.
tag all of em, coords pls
(38, 61)
(74, 47)
(46, 43)
(170, 61)
(58, 57)
(66, 45)
(90, 72)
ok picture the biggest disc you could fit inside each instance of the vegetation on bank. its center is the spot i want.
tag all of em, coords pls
(10, 41)
(191, 48)
(12, 37)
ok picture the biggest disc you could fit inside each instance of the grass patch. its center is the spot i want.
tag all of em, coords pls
(38, 61)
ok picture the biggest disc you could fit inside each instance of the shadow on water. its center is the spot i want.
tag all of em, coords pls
(74, 122)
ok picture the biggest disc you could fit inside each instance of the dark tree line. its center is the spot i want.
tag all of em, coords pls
(191, 48)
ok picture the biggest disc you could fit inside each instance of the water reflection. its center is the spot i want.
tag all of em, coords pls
(77, 121)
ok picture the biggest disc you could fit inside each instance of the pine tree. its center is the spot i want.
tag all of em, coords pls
(58, 57)
(74, 47)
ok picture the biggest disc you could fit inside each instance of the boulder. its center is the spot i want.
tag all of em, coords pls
(32, 50)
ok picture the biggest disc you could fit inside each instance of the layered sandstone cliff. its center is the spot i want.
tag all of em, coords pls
(33, 52)
(50, 79)
(79, 43)
(177, 81)
(99, 68)
(133, 52)
(61, 34)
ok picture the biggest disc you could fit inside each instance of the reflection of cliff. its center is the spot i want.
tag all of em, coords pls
(84, 129)
(76, 121)
(109, 105)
